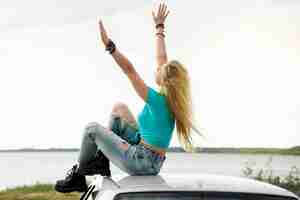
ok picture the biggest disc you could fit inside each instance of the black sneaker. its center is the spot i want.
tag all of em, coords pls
(73, 182)
(99, 165)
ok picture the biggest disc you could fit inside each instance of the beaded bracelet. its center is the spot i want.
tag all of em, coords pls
(159, 33)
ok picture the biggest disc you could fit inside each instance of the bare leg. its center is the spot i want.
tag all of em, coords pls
(122, 110)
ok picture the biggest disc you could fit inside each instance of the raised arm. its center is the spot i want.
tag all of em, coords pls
(126, 66)
(159, 18)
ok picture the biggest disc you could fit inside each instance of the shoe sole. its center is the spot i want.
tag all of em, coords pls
(67, 190)
(89, 172)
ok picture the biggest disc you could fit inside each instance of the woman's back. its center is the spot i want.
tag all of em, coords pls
(155, 121)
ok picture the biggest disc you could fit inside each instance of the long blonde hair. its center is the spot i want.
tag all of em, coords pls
(175, 84)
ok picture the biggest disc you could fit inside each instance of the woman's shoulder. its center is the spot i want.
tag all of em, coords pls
(157, 91)
(155, 96)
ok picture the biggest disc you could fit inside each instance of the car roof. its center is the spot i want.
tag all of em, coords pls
(189, 182)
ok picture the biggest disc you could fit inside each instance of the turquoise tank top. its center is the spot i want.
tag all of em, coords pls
(155, 122)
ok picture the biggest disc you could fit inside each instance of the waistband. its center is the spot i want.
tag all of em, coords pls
(161, 153)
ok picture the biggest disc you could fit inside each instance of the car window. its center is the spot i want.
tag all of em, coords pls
(242, 196)
(196, 195)
(159, 196)
(248, 198)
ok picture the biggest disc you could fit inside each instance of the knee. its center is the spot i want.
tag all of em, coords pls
(90, 129)
(91, 125)
(119, 107)
(94, 128)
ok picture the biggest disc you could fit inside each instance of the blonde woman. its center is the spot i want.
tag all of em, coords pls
(137, 148)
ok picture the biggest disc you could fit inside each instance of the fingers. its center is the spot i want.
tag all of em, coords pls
(153, 15)
(101, 25)
(162, 10)
(159, 9)
(167, 14)
(103, 33)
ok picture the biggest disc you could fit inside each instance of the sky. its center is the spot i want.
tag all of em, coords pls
(243, 59)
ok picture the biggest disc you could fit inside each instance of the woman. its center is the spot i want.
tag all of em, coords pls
(137, 148)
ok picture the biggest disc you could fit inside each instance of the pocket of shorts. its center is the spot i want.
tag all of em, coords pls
(157, 164)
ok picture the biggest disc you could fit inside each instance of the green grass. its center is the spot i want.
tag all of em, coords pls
(38, 191)
(278, 151)
(37, 187)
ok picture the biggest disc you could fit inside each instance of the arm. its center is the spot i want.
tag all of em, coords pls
(135, 79)
(159, 18)
(161, 53)
(126, 66)
(122, 61)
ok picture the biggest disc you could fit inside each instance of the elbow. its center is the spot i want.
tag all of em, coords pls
(162, 59)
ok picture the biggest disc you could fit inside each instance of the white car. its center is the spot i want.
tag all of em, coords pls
(185, 186)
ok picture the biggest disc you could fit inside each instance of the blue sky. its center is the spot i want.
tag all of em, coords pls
(243, 58)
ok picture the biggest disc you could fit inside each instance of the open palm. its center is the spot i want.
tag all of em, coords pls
(161, 15)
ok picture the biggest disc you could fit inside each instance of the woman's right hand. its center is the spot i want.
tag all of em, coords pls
(160, 16)
(103, 33)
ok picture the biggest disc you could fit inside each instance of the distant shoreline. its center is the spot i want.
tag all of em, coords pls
(245, 150)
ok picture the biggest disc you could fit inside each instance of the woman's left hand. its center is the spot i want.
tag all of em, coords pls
(103, 33)
(161, 15)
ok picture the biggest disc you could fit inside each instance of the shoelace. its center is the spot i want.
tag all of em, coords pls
(70, 172)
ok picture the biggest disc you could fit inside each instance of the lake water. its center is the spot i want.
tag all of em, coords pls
(23, 168)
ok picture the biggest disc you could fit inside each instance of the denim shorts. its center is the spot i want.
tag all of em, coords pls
(120, 143)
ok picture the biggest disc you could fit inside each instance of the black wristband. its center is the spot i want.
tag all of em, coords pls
(160, 25)
(110, 47)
